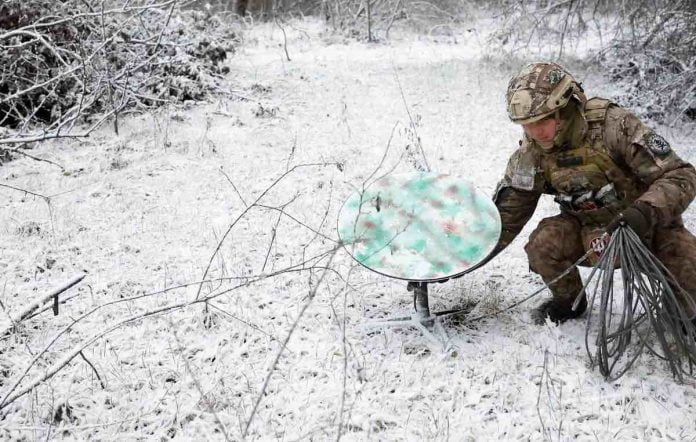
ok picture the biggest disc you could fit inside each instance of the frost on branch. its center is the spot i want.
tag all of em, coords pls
(66, 62)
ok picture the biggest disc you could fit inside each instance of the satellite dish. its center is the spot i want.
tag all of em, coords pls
(420, 226)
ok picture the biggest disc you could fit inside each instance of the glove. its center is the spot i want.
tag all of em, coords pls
(638, 217)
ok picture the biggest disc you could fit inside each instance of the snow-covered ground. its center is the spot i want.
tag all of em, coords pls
(145, 210)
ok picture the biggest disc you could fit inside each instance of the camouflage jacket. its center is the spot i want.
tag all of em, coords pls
(614, 151)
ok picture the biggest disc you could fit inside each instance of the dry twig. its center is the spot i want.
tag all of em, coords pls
(310, 298)
(246, 210)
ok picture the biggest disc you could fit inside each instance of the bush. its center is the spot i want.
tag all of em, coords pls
(648, 46)
(655, 57)
(65, 61)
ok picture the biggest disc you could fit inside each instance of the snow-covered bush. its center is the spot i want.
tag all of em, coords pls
(656, 57)
(66, 61)
(372, 20)
(649, 46)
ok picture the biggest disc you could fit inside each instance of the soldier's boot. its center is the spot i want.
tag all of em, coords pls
(560, 307)
(558, 312)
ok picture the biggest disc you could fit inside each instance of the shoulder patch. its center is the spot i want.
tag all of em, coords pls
(656, 144)
(522, 181)
(522, 169)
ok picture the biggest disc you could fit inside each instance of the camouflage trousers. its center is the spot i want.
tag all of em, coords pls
(559, 241)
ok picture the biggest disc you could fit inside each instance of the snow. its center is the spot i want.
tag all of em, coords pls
(144, 210)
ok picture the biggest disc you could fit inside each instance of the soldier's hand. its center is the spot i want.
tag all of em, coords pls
(638, 217)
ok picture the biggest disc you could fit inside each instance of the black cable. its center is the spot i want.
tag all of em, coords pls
(647, 317)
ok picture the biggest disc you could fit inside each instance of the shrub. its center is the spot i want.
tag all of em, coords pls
(66, 61)
(648, 46)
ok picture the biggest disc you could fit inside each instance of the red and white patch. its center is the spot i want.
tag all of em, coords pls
(599, 244)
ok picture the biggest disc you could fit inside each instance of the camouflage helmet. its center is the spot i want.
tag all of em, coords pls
(539, 90)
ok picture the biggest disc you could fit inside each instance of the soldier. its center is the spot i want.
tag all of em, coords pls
(604, 167)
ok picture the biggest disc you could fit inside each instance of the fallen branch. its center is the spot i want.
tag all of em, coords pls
(11, 396)
(44, 136)
(262, 393)
(25, 191)
(63, 300)
(19, 151)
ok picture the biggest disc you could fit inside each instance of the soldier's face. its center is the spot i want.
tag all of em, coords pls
(542, 131)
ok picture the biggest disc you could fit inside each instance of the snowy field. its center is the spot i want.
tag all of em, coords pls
(262, 174)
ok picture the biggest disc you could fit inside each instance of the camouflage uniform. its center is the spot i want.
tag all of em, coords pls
(603, 160)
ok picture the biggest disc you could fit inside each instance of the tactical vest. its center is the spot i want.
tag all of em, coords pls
(587, 181)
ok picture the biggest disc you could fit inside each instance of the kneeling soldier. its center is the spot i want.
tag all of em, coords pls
(604, 166)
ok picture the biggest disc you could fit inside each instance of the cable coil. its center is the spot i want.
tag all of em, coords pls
(648, 316)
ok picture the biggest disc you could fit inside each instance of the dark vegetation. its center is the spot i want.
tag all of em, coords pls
(70, 61)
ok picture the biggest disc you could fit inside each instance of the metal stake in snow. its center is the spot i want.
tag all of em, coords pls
(53, 295)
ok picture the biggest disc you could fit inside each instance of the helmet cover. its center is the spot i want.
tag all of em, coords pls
(539, 90)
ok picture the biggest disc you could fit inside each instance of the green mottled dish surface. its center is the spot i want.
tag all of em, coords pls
(419, 226)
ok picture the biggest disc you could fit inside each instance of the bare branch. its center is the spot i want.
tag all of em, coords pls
(28, 310)
(19, 151)
(246, 282)
(94, 369)
(411, 120)
(25, 191)
(244, 212)
(310, 298)
(233, 187)
(204, 397)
